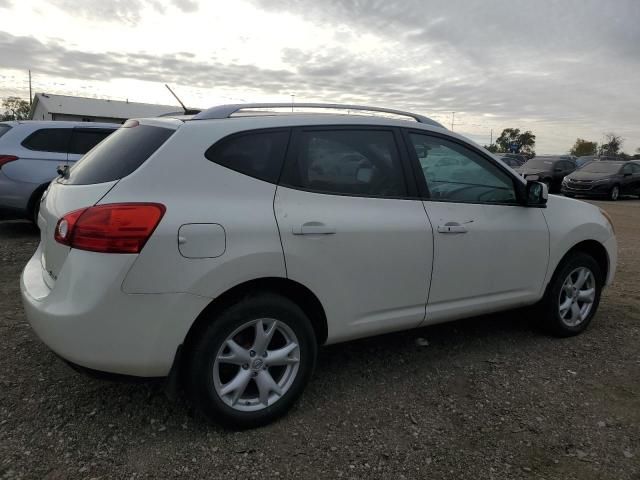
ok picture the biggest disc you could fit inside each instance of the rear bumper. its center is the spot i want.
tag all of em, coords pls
(87, 319)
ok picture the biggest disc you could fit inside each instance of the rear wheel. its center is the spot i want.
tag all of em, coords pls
(573, 295)
(252, 362)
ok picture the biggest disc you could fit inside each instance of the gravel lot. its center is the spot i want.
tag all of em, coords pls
(489, 397)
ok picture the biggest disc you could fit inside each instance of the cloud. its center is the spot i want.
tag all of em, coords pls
(120, 11)
(562, 68)
(6, 4)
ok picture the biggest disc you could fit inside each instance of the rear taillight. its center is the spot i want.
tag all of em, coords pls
(4, 159)
(110, 228)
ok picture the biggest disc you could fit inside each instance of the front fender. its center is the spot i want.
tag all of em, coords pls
(571, 222)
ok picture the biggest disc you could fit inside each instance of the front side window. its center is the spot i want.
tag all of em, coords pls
(258, 154)
(49, 140)
(456, 174)
(635, 168)
(626, 169)
(349, 162)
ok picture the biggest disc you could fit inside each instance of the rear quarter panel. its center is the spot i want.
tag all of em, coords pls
(196, 190)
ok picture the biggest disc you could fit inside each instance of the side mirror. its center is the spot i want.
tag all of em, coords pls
(537, 194)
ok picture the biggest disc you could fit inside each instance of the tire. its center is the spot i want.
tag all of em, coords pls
(614, 193)
(214, 367)
(557, 318)
(34, 211)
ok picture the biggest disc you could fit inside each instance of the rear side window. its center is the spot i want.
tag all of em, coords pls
(4, 128)
(258, 154)
(348, 162)
(120, 154)
(83, 140)
(49, 140)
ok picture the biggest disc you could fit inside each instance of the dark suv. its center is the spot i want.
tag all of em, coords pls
(550, 170)
(604, 179)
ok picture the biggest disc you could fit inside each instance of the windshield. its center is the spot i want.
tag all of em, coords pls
(539, 163)
(601, 167)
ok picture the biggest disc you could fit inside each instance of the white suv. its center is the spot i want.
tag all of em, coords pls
(224, 249)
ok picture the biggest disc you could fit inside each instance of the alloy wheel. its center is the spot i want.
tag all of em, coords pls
(256, 364)
(615, 193)
(577, 296)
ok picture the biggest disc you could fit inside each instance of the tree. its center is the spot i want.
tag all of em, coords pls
(584, 147)
(522, 142)
(15, 109)
(493, 148)
(612, 144)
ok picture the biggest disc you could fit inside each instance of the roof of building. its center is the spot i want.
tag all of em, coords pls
(95, 107)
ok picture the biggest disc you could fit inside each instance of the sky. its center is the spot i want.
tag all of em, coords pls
(560, 68)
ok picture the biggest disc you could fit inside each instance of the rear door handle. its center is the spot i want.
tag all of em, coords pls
(313, 228)
(452, 227)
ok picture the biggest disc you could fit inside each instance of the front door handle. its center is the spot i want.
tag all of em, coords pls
(452, 227)
(313, 228)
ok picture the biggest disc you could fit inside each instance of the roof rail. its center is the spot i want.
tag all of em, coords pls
(225, 111)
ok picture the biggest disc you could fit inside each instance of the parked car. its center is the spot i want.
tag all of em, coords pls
(30, 152)
(512, 162)
(548, 169)
(223, 250)
(604, 179)
(516, 156)
(584, 159)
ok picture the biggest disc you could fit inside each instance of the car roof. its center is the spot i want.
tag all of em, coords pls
(65, 124)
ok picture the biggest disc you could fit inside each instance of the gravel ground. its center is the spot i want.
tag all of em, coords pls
(488, 398)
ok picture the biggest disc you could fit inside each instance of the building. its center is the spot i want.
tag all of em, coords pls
(47, 106)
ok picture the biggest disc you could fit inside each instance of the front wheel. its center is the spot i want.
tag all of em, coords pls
(252, 362)
(573, 295)
(614, 193)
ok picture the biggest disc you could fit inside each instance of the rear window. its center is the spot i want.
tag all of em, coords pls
(259, 154)
(49, 140)
(4, 128)
(85, 139)
(118, 155)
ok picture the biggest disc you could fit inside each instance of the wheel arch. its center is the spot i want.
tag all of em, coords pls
(35, 197)
(294, 291)
(593, 248)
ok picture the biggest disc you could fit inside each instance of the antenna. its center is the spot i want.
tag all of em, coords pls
(187, 111)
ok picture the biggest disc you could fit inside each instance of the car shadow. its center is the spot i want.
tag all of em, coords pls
(18, 229)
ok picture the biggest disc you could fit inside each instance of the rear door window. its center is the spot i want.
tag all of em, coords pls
(49, 140)
(84, 139)
(118, 155)
(355, 162)
(259, 154)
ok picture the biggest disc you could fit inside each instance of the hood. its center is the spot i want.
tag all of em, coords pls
(531, 171)
(578, 175)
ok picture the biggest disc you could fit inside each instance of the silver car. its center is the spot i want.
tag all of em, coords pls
(30, 152)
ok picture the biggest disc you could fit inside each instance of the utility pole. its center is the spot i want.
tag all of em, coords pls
(453, 115)
(293, 97)
(30, 95)
(491, 141)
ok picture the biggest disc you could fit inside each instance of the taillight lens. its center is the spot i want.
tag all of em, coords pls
(110, 228)
(4, 159)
